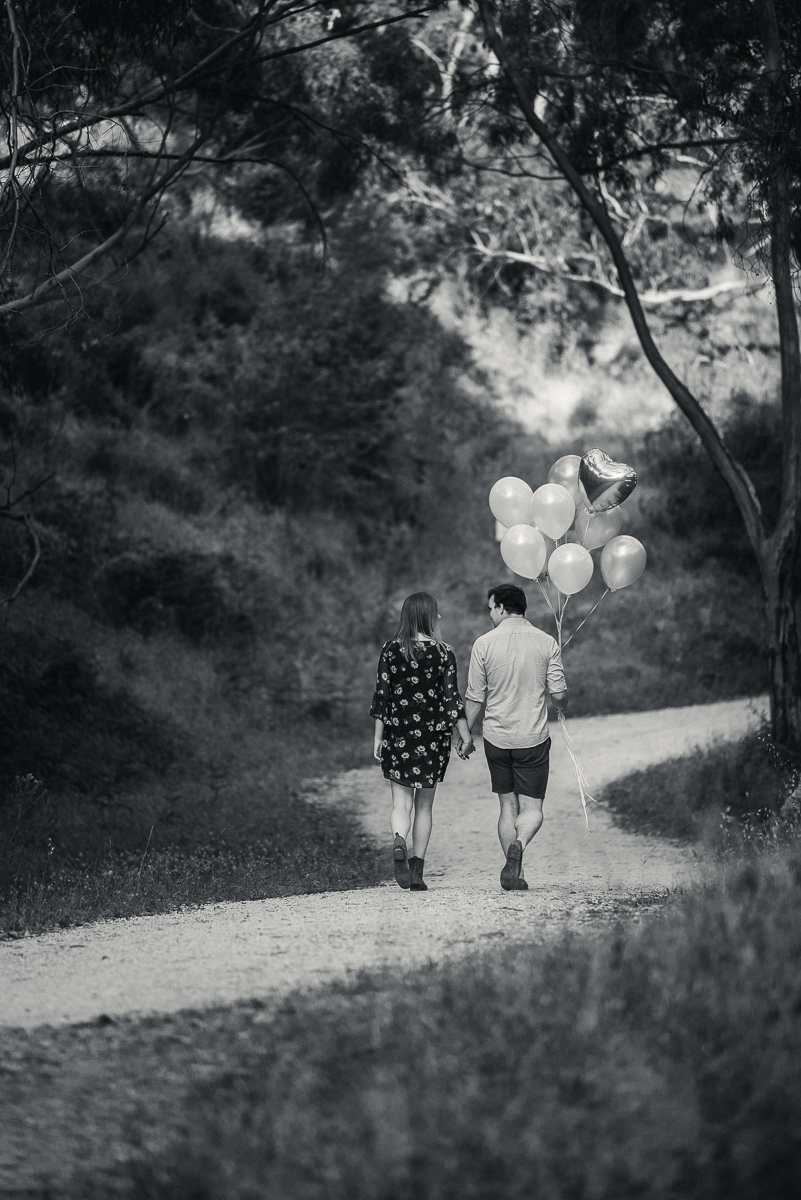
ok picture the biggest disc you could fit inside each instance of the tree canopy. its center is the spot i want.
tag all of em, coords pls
(107, 108)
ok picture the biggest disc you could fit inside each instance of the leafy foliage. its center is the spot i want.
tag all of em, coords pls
(65, 727)
(693, 498)
(745, 782)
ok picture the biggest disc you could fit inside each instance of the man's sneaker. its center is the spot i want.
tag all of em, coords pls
(400, 862)
(510, 874)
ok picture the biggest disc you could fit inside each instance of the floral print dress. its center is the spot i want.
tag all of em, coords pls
(418, 702)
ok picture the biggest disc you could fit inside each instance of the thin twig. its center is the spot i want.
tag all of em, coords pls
(24, 519)
(144, 856)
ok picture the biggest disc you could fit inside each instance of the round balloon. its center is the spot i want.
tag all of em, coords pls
(570, 568)
(603, 483)
(523, 550)
(565, 472)
(552, 509)
(622, 561)
(510, 501)
(595, 529)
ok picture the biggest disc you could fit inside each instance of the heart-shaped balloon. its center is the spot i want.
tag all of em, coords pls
(603, 483)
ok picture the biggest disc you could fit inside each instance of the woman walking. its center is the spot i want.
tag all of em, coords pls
(415, 705)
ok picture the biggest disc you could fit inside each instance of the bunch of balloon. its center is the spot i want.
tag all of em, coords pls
(547, 536)
(575, 512)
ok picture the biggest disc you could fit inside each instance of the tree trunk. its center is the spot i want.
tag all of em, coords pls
(779, 555)
(784, 651)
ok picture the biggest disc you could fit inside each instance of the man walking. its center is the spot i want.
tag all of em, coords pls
(510, 669)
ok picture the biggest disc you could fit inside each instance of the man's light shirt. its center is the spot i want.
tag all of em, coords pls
(510, 668)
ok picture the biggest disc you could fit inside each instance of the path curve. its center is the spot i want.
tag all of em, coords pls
(221, 953)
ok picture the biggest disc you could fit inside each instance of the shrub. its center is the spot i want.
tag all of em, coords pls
(152, 592)
(694, 503)
(62, 727)
(743, 784)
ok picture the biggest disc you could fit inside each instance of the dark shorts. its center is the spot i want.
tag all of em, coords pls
(522, 771)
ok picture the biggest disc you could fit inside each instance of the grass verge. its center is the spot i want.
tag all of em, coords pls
(657, 1059)
(313, 853)
(237, 827)
(731, 790)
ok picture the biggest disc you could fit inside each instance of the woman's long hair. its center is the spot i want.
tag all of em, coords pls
(418, 618)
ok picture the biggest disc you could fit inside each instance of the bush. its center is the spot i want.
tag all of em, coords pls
(62, 727)
(743, 784)
(694, 503)
(152, 592)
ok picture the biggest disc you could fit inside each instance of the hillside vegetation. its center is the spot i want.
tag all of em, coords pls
(246, 461)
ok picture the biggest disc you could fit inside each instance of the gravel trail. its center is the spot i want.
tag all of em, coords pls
(267, 948)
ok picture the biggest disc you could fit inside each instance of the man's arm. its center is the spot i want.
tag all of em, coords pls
(476, 693)
(472, 710)
(555, 681)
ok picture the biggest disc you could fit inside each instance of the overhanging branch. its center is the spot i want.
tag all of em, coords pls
(41, 293)
(650, 299)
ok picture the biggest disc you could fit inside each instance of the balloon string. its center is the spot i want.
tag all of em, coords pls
(581, 778)
(545, 594)
(589, 614)
(560, 618)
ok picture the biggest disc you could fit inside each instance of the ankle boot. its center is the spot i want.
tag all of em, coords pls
(400, 862)
(416, 871)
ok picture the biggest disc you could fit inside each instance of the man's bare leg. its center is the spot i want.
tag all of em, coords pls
(507, 818)
(520, 820)
(529, 819)
(507, 821)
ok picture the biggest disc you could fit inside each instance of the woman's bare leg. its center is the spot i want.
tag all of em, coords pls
(423, 801)
(402, 808)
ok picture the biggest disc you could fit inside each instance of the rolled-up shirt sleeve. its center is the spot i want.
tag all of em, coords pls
(477, 677)
(556, 675)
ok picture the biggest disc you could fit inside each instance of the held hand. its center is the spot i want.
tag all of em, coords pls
(465, 749)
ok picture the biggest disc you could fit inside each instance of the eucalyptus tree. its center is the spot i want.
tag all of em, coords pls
(605, 94)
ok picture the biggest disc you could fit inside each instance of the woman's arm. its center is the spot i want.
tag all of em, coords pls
(454, 706)
(380, 704)
(378, 738)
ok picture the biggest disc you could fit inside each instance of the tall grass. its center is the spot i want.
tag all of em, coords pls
(315, 855)
(231, 825)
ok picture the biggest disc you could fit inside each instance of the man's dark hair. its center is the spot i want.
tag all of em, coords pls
(512, 597)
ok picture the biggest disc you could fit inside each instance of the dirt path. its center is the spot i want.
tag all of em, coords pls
(226, 952)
